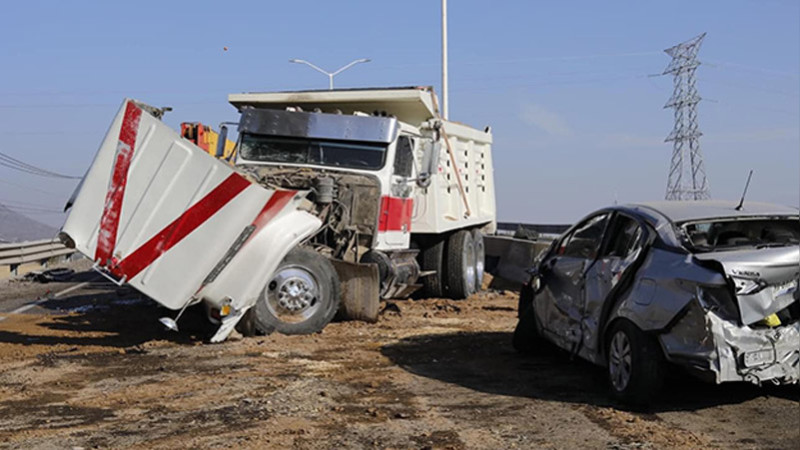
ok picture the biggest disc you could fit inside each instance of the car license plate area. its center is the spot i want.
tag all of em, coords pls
(758, 358)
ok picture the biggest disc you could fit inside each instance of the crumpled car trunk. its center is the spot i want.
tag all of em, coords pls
(766, 279)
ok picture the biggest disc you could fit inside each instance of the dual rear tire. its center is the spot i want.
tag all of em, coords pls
(458, 263)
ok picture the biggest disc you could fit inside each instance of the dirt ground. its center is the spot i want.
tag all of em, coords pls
(93, 369)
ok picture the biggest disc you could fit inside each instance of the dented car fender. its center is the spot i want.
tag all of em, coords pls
(667, 282)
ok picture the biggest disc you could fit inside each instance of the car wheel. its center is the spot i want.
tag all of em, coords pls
(480, 258)
(301, 297)
(460, 265)
(635, 364)
(432, 259)
(525, 298)
(526, 339)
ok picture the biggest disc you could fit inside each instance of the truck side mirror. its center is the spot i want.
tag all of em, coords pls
(430, 162)
(404, 157)
(223, 138)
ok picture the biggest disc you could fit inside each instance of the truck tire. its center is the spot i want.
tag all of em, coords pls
(460, 265)
(432, 259)
(480, 258)
(301, 297)
(635, 364)
(247, 326)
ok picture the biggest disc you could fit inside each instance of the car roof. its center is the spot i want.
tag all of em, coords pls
(682, 211)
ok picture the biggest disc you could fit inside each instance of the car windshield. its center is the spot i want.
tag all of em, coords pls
(728, 234)
(354, 155)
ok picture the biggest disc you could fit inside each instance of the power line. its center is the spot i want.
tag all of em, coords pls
(29, 209)
(21, 186)
(13, 163)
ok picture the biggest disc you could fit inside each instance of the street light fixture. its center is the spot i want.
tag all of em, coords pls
(330, 74)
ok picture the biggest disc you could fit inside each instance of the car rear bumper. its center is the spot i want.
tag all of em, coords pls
(720, 350)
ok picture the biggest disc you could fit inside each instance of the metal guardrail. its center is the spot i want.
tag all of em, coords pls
(27, 252)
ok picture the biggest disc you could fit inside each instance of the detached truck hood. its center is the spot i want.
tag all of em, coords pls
(766, 279)
(159, 213)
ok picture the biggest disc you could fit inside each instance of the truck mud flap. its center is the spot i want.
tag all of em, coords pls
(360, 290)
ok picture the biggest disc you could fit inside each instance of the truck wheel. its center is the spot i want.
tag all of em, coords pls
(301, 297)
(480, 258)
(247, 324)
(635, 364)
(432, 258)
(460, 265)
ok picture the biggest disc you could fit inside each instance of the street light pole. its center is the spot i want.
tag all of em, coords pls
(331, 74)
(445, 107)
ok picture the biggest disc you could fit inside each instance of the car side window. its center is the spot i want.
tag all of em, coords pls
(584, 241)
(625, 237)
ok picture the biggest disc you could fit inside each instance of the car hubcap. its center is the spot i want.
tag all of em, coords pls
(619, 361)
(293, 294)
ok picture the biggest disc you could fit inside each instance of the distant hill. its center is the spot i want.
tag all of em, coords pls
(15, 227)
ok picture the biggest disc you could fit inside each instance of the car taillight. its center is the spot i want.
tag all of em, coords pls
(719, 300)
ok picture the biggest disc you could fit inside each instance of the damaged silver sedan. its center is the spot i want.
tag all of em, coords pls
(707, 286)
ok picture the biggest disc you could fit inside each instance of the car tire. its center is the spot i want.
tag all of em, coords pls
(301, 297)
(432, 259)
(525, 298)
(635, 364)
(480, 258)
(527, 339)
(460, 265)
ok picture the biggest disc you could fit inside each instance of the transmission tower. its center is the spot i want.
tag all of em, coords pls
(685, 181)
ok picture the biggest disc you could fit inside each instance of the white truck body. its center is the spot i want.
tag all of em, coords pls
(159, 213)
(439, 208)
(367, 191)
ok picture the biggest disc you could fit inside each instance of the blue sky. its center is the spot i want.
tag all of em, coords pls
(566, 86)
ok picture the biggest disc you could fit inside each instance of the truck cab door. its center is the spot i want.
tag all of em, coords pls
(397, 207)
(560, 302)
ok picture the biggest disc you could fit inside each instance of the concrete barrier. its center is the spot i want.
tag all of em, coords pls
(510, 258)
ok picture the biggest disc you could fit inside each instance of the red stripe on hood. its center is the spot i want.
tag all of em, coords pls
(109, 222)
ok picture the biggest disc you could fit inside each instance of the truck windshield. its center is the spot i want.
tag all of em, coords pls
(730, 234)
(354, 155)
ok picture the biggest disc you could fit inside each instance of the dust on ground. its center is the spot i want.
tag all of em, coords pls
(94, 369)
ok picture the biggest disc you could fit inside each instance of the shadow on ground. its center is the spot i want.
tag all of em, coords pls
(486, 362)
(103, 314)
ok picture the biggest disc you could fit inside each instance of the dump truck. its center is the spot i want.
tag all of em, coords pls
(336, 200)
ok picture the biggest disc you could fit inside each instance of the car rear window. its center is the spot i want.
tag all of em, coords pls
(728, 234)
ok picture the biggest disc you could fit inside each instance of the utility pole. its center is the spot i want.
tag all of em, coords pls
(685, 181)
(445, 108)
(330, 74)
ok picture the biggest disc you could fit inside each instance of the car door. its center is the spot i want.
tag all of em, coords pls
(560, 302)
(624, 245)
